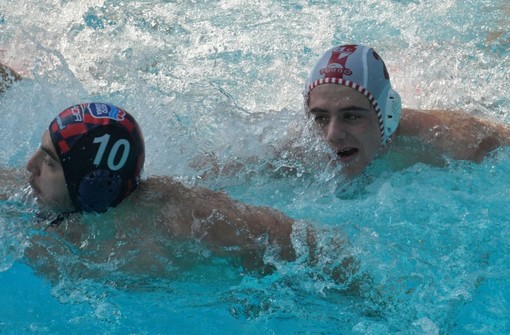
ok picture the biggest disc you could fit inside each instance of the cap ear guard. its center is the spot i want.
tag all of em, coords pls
(392, 115)
(98, 190)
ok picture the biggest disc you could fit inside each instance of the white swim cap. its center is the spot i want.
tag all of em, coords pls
(361, 68)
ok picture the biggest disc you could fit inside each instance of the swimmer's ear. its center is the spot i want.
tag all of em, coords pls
(99, 190)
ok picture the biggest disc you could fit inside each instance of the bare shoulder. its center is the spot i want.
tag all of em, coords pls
(415, 122)
(163, 185)
(414, 118)
(455, 133)
(187, 201)
(176, 205)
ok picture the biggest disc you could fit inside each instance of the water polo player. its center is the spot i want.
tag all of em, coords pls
(90, 159)
(350, 97)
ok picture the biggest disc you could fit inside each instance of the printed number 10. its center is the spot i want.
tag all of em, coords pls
(103, 142)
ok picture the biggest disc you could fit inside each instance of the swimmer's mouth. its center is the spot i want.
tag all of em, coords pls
(34, 190)
(347, 154)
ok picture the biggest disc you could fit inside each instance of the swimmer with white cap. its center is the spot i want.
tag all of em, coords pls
(350, 97)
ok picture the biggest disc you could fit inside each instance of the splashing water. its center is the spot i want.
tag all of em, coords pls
(223, 79)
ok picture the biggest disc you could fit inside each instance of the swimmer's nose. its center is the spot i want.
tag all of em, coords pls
(32, 165)
(335, 131)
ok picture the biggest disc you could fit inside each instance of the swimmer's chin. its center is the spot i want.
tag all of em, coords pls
(351, 169)
(350, 174)
(34, 197)
(51, 207)
(28, 196)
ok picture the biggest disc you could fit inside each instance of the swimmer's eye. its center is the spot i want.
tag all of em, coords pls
(351, 116)
(48, 161)
(321, 119)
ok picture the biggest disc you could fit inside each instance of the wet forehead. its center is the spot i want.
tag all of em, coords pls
(337, 95)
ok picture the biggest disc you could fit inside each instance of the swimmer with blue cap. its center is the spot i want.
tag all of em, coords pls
(89, 160)
(350, 98)
(87, 169)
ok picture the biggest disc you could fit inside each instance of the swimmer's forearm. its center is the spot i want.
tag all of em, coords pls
(249, 231)
(278, 228)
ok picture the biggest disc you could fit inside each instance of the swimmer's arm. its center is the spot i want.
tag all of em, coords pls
(230, 225)
(213, 217)
(41, 255)
(224, 224)
(454, 133)
(7, 77)
(251, 228)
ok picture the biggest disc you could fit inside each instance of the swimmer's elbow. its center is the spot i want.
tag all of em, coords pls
(486, 146)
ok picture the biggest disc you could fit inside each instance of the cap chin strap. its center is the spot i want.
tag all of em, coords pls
(98, 190)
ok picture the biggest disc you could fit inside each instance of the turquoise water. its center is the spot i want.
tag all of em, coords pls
(225, 77)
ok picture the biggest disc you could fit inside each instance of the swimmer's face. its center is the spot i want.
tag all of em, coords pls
(47, 177)
(348, 123)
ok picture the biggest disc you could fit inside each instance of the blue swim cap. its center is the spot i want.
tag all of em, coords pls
(361, 68)
(102, 153)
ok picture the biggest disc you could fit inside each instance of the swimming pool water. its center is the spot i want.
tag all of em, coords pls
(225, 77)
